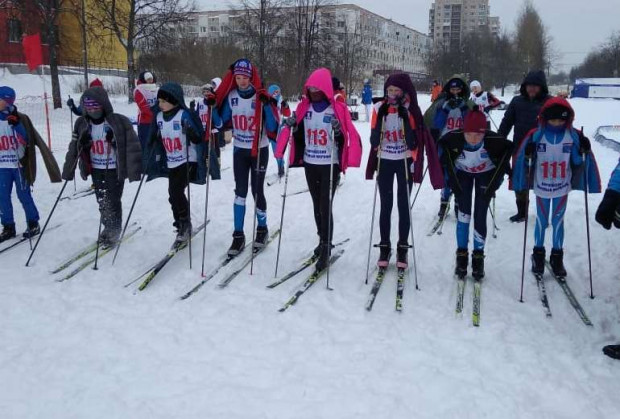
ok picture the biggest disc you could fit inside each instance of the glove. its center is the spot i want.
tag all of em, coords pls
(210, 98)
(192, 105)
(70, 103)
(403, 113)
(452, 103)
(335, 125)
(584, 144)
(263, 96)
(291, 121)
(609, 210)
(530, 148)
(13, 119)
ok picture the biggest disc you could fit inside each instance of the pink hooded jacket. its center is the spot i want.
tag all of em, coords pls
(352, 150)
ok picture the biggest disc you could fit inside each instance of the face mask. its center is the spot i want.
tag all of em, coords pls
(394, 99)
(95, 114)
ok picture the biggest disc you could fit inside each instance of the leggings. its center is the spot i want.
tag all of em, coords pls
(387, 171)
(543, 205)
(244, 167)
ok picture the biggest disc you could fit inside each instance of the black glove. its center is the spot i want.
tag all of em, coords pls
(210, 99)
(13, 119)
(609, 210)
(336, 125)
(70, 103)
(403, 113)
(263, 96)
(192, 105)
(584, 144)
(530, 148)
(452, 103)
(284, 104)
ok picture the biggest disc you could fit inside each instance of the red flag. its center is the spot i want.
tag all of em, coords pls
(32, 51)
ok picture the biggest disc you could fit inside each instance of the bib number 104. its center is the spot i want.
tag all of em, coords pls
(550, 170)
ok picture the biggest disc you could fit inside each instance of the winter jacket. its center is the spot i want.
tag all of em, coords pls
(424, 143)
(157, 164)
(351, 150)
(435, 118)
(522, 112)
(614, 182)
(367, 94)
(128, 149)
(451, 146)
(29, 138)
(435, 92)
(145, 113)
(520, 180)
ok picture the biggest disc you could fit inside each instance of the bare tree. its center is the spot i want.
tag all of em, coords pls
(350, 53)
(532, 40)
(604, 61)
(78, 9)
(137, 22)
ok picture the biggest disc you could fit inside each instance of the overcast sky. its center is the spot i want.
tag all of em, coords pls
(575, 25)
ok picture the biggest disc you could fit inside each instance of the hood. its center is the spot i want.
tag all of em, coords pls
(465, 91)
(403, 82)
(321, 79)
(557, 101)
(175, 90)
(536, 78)
(99, 95)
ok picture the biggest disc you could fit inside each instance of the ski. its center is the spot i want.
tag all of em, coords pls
(298, 192)
(155, 269)
(376, 286)
(79, 194)
(82, 253)
(460, 293)
(542, 294)
(571, 296)
(475, 316)
(91, 259)
(309, 282)
(208, 277)
(226, 281)
(400, 288)
(305, 264)
(437, 227)
(19, 240)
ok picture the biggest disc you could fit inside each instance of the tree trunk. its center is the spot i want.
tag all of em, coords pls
(84, 44)
(131, 73)
(51, 32)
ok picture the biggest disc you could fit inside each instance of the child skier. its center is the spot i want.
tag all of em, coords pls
(18, 139)
(109, 151)
(204, 112)
(145, 96)
(450, 112)
(177, 151)
(474, 159)
(485, 101)
(395, 123)
(243, 104)
(77, 110)
(324, 137)
(555, 150)
(285, 112)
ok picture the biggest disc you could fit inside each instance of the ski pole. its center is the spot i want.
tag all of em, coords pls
(415, 265)
(133, 204)
(585, 196)
(527, 207)
(49, 217)
(105, 180)
(260, 134)
(189, 200)
(492, 211)
(415, 198)
(331, 200)
(71, 116)
(275, 275)
(374, 203)
(494, 124)
(210, 143)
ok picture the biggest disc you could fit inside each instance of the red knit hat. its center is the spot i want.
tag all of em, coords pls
(475, 121)
(96, 83)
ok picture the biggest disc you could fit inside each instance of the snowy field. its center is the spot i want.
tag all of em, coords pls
(91, 348)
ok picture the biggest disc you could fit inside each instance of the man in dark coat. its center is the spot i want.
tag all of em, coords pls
(522, 114)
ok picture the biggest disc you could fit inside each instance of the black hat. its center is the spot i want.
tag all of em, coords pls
(167, 96)
(556, 112)
(336, 83)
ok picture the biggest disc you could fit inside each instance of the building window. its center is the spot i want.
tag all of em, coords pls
(15, 30)
(203, 29)
(341, 23)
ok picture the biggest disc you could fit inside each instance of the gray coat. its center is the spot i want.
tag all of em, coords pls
(128, 149)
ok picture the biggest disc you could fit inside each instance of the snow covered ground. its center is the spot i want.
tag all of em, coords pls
(90, 348)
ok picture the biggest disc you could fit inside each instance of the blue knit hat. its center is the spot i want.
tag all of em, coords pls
(274, 91)
(242, 67)
(7, 94)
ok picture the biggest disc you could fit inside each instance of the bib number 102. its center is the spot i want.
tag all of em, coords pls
(552, 167)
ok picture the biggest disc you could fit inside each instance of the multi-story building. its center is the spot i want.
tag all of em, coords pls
(450, 20)
(384, 45)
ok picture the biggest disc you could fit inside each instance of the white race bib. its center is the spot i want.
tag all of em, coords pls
(319, 139)
(553, 174)
(244, 121)
(9, 147)
(101, 150)
(175, 141)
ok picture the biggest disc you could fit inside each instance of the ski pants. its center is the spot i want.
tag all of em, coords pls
(469, 183)
(273, 148)
(8, 177)
(389, 169)
(558, 206)
(143, 135)
(245, 169)
(109, 191)
(177, 182)
(317, 176)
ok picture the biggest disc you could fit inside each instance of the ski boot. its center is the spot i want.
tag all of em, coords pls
(556, 260)
(519, 217)
(184, 232)
(8, 232)
(385, 251)
(280, 171)
(323, 260)
(461, 263)
(443, 207)
(109, 238)
(32, 230)
(402, 249)
(477, 264)
(612, 351)
(261, 237)
(538, 261)
(238, 243)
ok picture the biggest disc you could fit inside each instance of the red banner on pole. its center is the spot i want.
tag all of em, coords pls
(33, 51)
